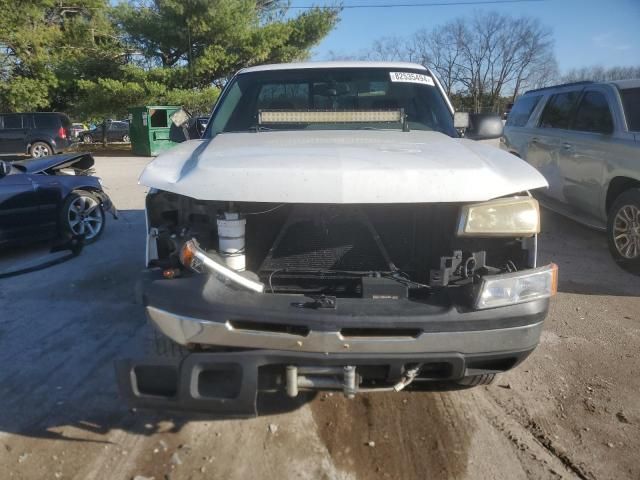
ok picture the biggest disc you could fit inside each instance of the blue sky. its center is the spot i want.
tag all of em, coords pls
(586, 32)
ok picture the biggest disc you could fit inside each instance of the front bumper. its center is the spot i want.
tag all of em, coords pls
(261, 334)
(187, 330)
(203, 310)
(226, 384)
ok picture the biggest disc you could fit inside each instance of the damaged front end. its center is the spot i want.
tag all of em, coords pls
(422, 252)
(354, 297)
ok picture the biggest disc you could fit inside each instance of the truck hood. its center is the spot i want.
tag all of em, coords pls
(340, 167)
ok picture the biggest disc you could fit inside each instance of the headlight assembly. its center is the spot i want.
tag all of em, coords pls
(517, 287)
(503, 217)
(194, 258)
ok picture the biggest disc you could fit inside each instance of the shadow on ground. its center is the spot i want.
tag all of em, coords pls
(61, 330)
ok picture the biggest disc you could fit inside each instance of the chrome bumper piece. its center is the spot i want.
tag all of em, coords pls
(185, 330)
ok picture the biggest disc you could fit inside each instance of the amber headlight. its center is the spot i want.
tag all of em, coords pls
(503, 217)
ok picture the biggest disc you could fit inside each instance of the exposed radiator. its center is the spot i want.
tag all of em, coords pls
(326, 238)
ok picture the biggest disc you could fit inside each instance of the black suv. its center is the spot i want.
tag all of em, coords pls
(37, 134)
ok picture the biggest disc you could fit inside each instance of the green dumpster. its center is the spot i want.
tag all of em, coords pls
(150, 129)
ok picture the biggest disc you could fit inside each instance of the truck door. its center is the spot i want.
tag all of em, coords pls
(584, 151)
(545, 144)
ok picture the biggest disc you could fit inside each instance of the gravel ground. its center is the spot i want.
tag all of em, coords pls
(570, 411)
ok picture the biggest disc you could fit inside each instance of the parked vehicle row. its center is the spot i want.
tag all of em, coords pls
(585, 139)
(39, 134)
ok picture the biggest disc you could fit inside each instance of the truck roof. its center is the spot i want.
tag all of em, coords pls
(348, 64)
(620, 84)
(623, 84)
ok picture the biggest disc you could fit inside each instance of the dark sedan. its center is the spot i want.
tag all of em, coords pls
(50, 198)
(116, 131)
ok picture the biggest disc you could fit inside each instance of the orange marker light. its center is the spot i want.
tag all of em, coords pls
(187, 254)
(554, 279)
(170, 273)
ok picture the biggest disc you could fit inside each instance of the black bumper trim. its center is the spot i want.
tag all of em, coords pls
(236, 395)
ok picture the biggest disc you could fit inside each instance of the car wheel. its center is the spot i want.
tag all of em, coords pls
(82, 214)
(40, 149)
(623, 230)
(126, 138)
(87, 138)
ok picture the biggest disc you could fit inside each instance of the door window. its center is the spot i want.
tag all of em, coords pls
(46, 121)
(558, 110)
(12, 121)
(631, 103)
(593, 114)
(521, 111)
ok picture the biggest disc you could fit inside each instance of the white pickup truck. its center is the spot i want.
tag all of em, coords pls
(333, 231)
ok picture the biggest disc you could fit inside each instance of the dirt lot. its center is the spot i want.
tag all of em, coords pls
(570, 411)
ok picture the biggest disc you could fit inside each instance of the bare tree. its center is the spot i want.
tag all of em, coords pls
(600, 74)
(341, 57)
(534, 64)
(389, 49)
(502, 54)
(484, 56)
(441, 50)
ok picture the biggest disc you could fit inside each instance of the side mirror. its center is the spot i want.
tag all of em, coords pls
(485, 126)
(461, 120)
(5, 168)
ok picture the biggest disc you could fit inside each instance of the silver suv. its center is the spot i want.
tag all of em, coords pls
(585, 139)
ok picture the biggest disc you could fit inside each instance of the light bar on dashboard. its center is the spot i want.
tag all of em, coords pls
(330, 116)
(517, 287)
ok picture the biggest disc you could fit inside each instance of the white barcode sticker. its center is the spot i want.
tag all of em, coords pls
(410, 77)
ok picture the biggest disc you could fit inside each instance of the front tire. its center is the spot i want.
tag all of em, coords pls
(82, 214)
(623, 230)
(87, 138)
(475, 380)
(40, 149)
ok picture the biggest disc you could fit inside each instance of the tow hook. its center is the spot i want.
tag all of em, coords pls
(408, 377)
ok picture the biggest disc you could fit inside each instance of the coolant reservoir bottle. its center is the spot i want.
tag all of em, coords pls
(231, 228)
